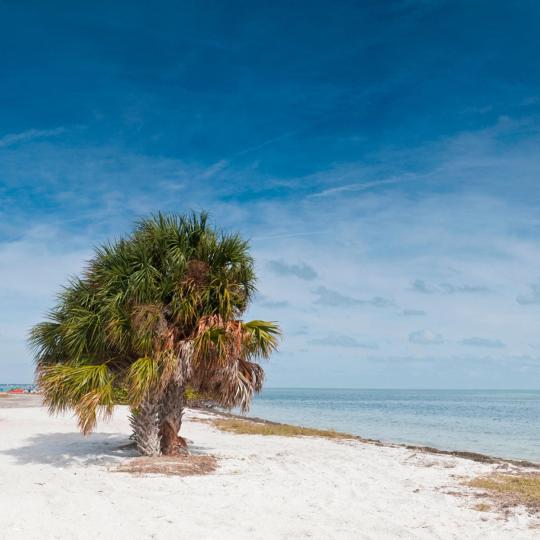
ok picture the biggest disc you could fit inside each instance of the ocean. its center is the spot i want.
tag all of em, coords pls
(502, 423)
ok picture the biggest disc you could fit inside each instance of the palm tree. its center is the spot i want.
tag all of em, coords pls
(150, 314)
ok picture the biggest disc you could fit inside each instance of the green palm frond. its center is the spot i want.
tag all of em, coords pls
(117, 328)
(86, 389)
(45, 340)
(262, 338)
(148, 323)
(142, 376)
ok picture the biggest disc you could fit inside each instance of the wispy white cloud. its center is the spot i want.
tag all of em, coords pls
(29, 135)
(360, 186)
(35, 265)
(213, 169)
(266, 143)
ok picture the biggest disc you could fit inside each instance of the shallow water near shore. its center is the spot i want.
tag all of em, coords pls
(502, 423)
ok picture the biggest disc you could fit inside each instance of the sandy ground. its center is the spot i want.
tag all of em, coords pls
(55, 483)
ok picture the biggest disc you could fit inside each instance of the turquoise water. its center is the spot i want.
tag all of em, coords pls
(503, 423)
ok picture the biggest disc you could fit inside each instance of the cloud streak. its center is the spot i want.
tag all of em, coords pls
(360, 186)
(30, 135)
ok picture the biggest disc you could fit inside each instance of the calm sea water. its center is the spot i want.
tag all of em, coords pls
(501, 423)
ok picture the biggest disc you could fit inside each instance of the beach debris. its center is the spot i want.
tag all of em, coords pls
(508, 490)
(170, 466)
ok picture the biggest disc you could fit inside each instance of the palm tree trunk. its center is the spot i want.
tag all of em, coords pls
(171, 404)
(171, 408)
(145, 424)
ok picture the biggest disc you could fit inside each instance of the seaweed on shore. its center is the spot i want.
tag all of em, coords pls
(510, 490)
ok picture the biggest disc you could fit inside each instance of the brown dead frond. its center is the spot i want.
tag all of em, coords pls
(197, 273)
(170, 466)
(147, 317)
(225, 354)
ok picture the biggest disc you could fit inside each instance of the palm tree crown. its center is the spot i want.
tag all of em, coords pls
(152, 312)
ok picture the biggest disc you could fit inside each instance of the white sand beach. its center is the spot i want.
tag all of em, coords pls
(55, 483)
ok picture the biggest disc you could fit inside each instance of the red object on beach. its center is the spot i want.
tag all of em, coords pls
(16, 391)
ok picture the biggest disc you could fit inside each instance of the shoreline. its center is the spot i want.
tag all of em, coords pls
(464, 454)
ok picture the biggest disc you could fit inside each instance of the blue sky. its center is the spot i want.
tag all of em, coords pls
(383, 157)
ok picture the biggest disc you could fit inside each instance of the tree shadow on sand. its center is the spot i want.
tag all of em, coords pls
(66, 449)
